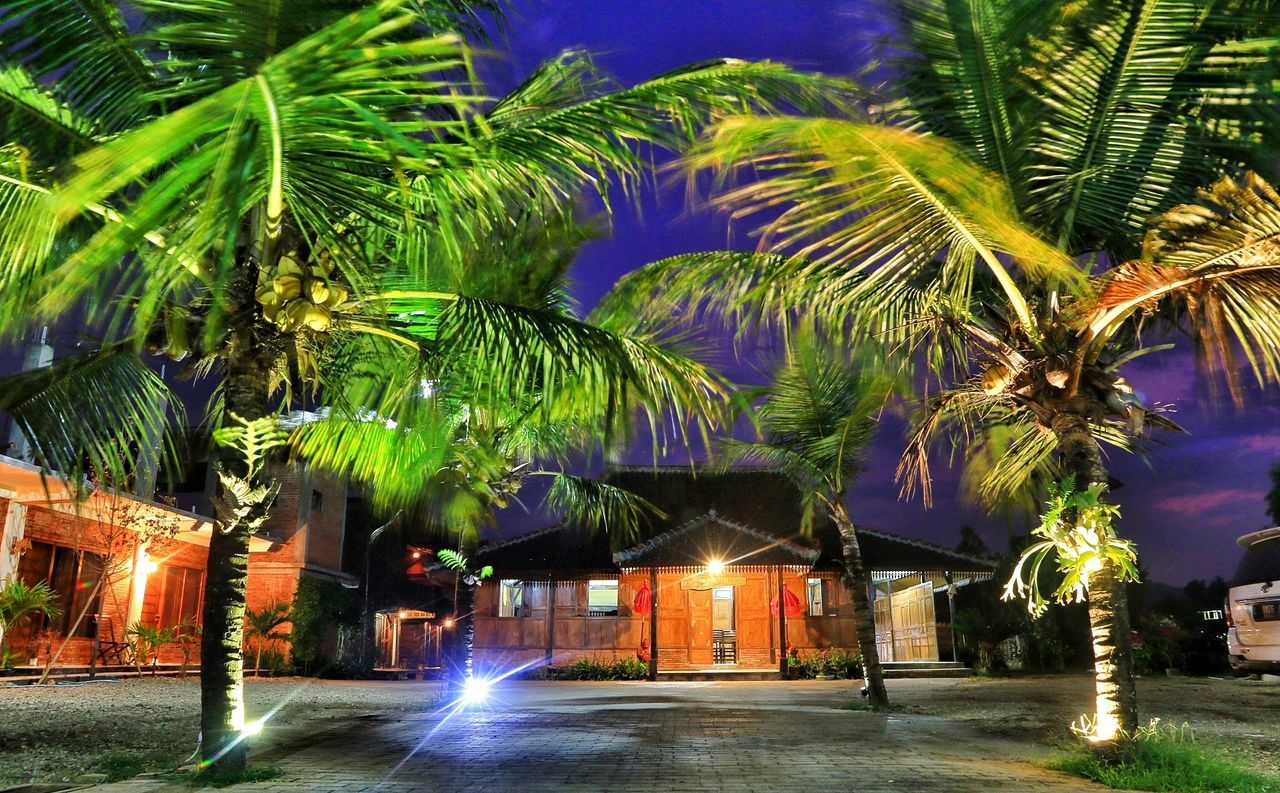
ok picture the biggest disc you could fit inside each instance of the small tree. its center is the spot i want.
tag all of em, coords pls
(262, 625)
(114, 529)
(19, 602)
(818, 418)
(147, 642)
(464, 608)
(1077, 535)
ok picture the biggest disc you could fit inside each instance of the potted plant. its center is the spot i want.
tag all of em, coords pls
(793, 663)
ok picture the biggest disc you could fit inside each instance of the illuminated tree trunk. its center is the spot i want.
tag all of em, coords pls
(246, 391)
(1115, 693)
(465, 626)
(863, 619)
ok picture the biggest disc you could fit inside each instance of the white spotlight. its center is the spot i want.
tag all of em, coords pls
(475, 690)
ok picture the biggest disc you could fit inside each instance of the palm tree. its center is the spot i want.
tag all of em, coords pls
(241, 186)
(261, 625)
(19, 603)
(992, 223)
(818, 416)
(457, 450)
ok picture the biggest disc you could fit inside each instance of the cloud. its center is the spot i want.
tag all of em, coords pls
(1200, 503)
(1260, 444)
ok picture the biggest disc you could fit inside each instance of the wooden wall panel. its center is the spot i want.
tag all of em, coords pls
(699, 626)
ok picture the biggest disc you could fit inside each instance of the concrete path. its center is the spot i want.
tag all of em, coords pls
(721, 736)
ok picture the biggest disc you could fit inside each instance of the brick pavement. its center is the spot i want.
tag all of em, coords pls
(653, 737)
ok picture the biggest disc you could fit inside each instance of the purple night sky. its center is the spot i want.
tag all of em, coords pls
(1203, 489)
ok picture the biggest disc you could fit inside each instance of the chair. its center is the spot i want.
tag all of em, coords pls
(724, 647)
(110, 648)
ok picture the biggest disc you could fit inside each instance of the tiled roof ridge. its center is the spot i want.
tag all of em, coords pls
(666, 537)
(929, 546)
(519, 538)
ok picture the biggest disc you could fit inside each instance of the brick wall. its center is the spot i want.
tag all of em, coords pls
(302, 536)
(326, 521)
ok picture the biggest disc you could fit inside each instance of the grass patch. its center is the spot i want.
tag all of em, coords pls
(1169, 760)
(209, 777)
(126, 765)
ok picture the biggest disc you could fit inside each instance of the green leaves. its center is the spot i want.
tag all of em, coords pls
(105, 409)
(1219, 264)
(598, 506)
(19, 601)
(1077, 536)
(456, 560)
(846, 193)
(242, 502)
(965, 76)
(1126, 116)
(817, 418)
(252, 441)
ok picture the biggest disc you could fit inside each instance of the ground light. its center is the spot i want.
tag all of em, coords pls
(475, 690)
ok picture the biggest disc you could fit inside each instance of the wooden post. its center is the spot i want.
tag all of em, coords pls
(951, 609)
(893, 650)
(551, 620)
(653, 623)
(782, 627)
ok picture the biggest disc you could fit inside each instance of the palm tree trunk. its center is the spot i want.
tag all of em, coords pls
(864, 621)
(247, 393)
(465, 622)
(1116, 695)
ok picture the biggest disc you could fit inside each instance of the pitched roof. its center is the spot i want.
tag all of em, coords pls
(712, 537)
(750, 513)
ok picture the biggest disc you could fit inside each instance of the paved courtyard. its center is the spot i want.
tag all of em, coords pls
(721, 736)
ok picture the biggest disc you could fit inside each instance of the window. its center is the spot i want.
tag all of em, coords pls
(180, 596)
(72, 576)
(817, 589)
(317, 501)
(510, 598)
(602, 598)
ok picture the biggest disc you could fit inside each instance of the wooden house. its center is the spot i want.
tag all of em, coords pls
(702, 587)
(48, 534)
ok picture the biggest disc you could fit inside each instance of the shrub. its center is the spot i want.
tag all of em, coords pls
(592, 669)
(320, 608)
(1167, 758)
(835, 662)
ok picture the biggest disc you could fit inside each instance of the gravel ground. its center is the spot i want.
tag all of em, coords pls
(58, 733)
(52, 734)
(1235, 714)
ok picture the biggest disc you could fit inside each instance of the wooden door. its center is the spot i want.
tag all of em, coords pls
(755, 626)
(699, 626)
(915, 635)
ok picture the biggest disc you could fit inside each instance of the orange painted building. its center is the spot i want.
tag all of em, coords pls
(47, 535)
(715, 567)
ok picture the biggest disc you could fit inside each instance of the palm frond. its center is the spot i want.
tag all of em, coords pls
(1217, 263)
(37, 119)
(964, 78)
(99, 413)
(598, 506)
(843, 192)
(817, 418)
(85, 46)
(1124, 132)
(316, 130)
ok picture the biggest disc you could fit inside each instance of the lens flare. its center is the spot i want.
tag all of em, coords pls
(475, 690)
(715, 567)
(254, 727)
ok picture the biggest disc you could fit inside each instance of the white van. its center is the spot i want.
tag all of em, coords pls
(1253, 605)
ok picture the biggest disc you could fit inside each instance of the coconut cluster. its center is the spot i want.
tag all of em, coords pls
(296, 295)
